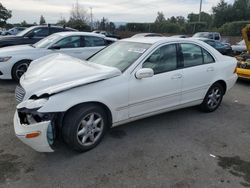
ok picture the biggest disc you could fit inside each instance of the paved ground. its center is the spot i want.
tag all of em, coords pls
(180, 149)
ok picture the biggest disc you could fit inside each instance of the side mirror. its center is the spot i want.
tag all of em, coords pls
(144, 73)
(55, 47)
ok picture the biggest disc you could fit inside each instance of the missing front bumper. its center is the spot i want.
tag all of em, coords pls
(41, 143)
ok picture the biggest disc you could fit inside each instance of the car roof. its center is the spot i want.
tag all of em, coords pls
(53, 26)
(154, 40)
(70, 33)
(204, 39)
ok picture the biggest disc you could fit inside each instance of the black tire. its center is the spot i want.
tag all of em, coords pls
(72, 124)
(210, 98)
(21, 65)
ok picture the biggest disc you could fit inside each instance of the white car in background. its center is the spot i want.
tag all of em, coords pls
(131, 79)
(14, 60)
(14, 31)
(239, 47)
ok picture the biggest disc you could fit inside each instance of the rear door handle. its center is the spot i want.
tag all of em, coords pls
(176, 76)
(209, 69)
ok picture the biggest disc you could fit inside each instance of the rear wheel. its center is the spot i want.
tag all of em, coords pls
(213, 98)
(84, 126)
(19, 69)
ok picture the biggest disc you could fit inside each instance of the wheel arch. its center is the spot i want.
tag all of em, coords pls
(223, 84)
(19, 61)
(102, 105)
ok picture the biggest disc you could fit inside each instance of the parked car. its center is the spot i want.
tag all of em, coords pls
(14, 60)
(147, 35)
(13, 31)
(107, 34)
(223, 48)
(239, 48)
(131, 79)
(209, 35)
(31, 35)
(179, 36)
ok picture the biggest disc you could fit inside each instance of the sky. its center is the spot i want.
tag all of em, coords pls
(114, 10)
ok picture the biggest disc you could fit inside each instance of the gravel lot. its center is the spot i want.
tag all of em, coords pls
(180, 149)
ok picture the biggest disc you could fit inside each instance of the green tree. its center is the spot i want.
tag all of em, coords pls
(5, 14)
(62, 22)
(180, 20)
(79, 18)
(42, 20)
(223, 13)
(241, 10)
(24, 23)
(205, 18)
(172, 20)
(160, 18)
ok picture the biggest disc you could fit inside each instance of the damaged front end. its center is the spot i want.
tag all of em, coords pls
(34, 128)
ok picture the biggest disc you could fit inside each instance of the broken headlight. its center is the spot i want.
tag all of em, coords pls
(32, 104)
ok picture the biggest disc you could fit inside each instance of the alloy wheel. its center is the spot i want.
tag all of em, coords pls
(21, 69)
(90, 129)
(214, 98)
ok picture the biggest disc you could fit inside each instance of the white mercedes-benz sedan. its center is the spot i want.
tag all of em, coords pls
(14, 60)
(60, 96)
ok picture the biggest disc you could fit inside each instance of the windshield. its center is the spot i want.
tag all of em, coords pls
(46, 42)
(120, 54)
(24, 32)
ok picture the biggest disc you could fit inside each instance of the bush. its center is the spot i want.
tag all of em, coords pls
(164, 27)
(233, 28)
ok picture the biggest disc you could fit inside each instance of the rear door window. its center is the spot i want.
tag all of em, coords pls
(55, 30)
(91, 41)
(41, 32)
(207, 57)
(194, 55)
(70, 42)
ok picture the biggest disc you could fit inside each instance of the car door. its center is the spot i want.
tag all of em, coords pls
(198, 72)
(163, 89)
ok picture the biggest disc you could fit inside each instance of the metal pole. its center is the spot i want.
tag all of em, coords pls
(91, 18)
(200, 11)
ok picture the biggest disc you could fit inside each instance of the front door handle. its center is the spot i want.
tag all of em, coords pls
(176, 76)
(209, 69)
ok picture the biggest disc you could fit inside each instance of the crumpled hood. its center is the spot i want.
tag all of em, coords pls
(16, 49)
(58, 72)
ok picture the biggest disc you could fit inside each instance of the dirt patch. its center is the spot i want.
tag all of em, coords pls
(11, 167)
(236, 167)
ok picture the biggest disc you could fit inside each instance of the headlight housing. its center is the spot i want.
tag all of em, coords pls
(4, 59)
(32, 104)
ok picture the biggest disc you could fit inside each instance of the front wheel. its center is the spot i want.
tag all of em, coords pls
(19, 69)
(84, 126)
(213, 98)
